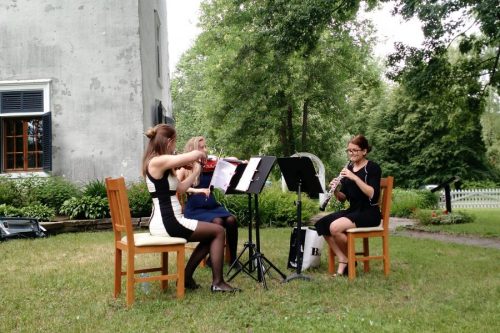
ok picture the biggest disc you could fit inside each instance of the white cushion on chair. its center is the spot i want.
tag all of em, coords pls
(379, 228)
(145, 239)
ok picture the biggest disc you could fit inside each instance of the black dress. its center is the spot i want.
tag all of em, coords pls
(362, 211)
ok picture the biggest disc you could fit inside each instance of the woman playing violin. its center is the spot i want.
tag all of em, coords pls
(159, 170)
(201, 203)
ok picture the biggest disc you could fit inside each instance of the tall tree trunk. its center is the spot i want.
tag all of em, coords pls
(283, 137)
(305, 114)
(291, 139)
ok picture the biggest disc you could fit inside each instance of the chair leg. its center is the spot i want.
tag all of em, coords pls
(366, 253)
(385, 249)
(180, 272)
(164, 270)
(351, 255)
(130, 279)
(331, 260)
(118, 272)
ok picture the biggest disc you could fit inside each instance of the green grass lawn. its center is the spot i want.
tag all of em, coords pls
(64, 283)
(486, 224)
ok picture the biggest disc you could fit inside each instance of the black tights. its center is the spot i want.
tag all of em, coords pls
(229, 223)
(211, 238)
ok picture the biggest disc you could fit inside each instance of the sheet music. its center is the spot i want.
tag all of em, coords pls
(247, 176)
(223, 173)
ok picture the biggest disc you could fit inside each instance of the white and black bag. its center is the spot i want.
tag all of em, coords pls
(311, 247)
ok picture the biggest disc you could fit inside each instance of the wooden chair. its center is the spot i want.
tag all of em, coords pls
(382, 231)
(140, 243)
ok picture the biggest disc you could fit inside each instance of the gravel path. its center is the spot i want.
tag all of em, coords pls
(467, 240)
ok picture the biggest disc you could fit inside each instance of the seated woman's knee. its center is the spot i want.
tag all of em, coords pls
(338, 226)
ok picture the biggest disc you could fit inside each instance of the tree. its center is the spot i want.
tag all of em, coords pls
(275, 77)
(432, 130)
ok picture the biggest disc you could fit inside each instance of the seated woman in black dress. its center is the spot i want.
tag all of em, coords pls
(360, 185)
(201, 203)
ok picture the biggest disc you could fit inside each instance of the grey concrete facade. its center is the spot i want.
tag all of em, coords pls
(98, 58)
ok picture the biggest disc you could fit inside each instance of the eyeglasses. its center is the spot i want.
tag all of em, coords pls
(353, 151)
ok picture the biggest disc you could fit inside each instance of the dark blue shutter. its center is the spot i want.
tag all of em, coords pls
(47, 142)
(22, 101)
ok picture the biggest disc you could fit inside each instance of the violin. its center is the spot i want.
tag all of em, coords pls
(211, 162)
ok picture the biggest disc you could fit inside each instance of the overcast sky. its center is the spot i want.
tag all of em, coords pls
(182, 17)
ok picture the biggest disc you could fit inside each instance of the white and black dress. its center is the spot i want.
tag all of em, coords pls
(167, 218)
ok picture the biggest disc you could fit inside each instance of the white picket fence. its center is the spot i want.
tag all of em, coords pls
(480, 198)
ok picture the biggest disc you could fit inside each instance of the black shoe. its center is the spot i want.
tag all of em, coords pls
(191, 285)
(217, 289)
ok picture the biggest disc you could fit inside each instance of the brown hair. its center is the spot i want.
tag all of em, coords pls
(360, 141)
(160, 143)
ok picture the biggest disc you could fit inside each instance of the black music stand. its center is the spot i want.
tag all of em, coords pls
(300, 176)
(256, 261)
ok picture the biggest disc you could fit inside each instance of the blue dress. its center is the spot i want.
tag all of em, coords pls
(203, 208)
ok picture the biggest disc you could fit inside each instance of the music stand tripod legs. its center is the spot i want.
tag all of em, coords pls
(257, 261)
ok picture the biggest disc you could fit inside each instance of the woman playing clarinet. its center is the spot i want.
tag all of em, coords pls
(360, 186)
(201, 203)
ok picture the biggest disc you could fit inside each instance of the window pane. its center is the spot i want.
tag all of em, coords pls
(19, 127)
(20, 133)
(33, 160)
(10, 161)
(10, 145)
(19, 164)
(31, 144)
(19, 144)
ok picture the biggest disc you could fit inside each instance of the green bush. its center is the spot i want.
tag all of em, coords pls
(25, 188)
(9, 211)
(8, 191)
(37, 211)
(429, 216)
(86, 207)
(139, 199)
(478, 184)
(95, 188)
(276, 208)
(53, 191)
(405, 202)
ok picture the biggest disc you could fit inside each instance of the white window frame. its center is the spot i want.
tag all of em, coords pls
(23, 85)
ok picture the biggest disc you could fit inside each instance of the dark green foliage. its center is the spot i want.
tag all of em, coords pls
(95, 188)
(53, 191)
(427, 217)
(88, 207)
(37, 211)
(8, 192)
(406, 202)
(276, 208)
(139, 199)
(468, 185)
(9, 211)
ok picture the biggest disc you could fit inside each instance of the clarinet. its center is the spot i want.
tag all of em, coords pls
(330, 193)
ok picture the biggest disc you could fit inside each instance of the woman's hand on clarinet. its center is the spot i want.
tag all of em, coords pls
(348, 174)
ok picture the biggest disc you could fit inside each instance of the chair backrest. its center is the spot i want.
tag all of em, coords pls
(119, 209)
(385, 200)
